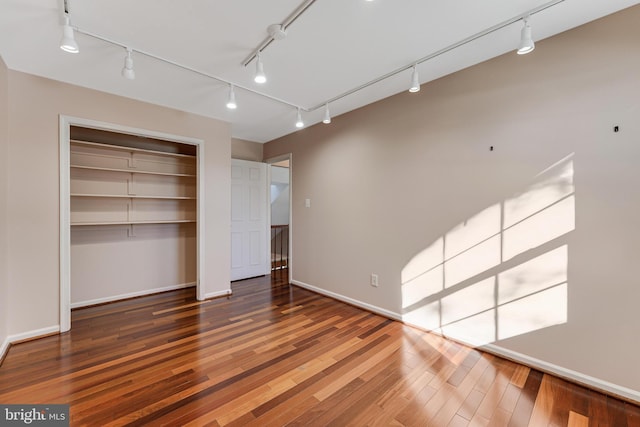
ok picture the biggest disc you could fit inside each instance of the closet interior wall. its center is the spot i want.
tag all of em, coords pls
(133, 208)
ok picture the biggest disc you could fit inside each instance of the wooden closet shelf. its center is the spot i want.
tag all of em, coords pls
(177, 221)
(132, 171)
(128, 149)
(130, 196)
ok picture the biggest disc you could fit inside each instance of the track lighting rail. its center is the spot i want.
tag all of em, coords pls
(187, 68)
(285, 24)
(290, 19)
(433, 55)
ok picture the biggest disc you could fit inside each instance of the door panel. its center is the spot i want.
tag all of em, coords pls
(248, 219)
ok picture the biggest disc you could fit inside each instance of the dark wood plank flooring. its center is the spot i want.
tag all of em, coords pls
(274, 355)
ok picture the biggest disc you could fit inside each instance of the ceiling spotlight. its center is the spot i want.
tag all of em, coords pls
(526, 42)
(68, 42)
(128, 71)
(415, 80)
(299, 122)
(327, 114)
(231, 100)
(260, 77)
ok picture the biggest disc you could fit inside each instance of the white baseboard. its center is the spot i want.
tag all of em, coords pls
(130, 295)
(37, 333)
(559, 371)
(4, 347)
(351, 301)
(218, 294)
(574, 376)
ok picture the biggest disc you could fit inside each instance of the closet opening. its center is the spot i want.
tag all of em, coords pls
(131, 205)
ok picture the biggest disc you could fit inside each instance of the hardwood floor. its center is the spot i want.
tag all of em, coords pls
(274, 355)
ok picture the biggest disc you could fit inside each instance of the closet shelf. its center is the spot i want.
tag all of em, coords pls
(177, 221)
(130, 196)
(132, 171)
(128, 149)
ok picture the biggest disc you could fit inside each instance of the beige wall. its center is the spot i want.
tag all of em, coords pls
(4, 304)
(246, 150)
(33, 209)
(548, 219)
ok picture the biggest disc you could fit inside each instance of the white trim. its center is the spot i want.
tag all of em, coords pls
(4, 347)
(65, 227)
(38, 333)
(574, 376)
(131, 295)
(365, 306)
(532, 362)
(290, 248)
(267, 253)
(270, 161)
(200, 251)
(218, 294)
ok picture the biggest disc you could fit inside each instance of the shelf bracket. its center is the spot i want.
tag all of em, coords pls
(132, 161)
(131, 231)
(130, 186)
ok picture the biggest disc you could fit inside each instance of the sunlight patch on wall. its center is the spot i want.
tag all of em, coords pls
(534, 275)
(478, 282)
(470, 263)
(468, 301)
(555, 184)
(537, 311)
(422, 276)
(422, 286)
(546, 225)
(476, 229)
(475, 330)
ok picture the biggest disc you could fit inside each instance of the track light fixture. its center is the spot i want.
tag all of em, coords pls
(299, 122)
(327, 114)
(231, 100)
(526, 42)
(68, 42)
(277, 31)
(259, 77)
(127, 71)
(415, 80)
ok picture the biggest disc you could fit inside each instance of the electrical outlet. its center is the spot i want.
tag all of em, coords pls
(374, 280)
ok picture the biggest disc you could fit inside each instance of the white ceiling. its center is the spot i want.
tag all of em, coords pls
(333, 47)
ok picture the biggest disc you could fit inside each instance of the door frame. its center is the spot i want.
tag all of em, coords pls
(269, 162)
(65, 209)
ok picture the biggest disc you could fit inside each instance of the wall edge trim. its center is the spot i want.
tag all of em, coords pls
(113, 298)
(4, 349)
(588, 381)
(576, 377)
(29, 335)
(369, 307)
(218, 294)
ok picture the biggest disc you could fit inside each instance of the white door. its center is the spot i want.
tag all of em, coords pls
(248, 219)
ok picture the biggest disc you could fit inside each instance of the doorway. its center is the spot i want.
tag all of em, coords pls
(280, 217)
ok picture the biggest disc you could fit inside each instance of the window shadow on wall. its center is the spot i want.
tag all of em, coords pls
(502, 272)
